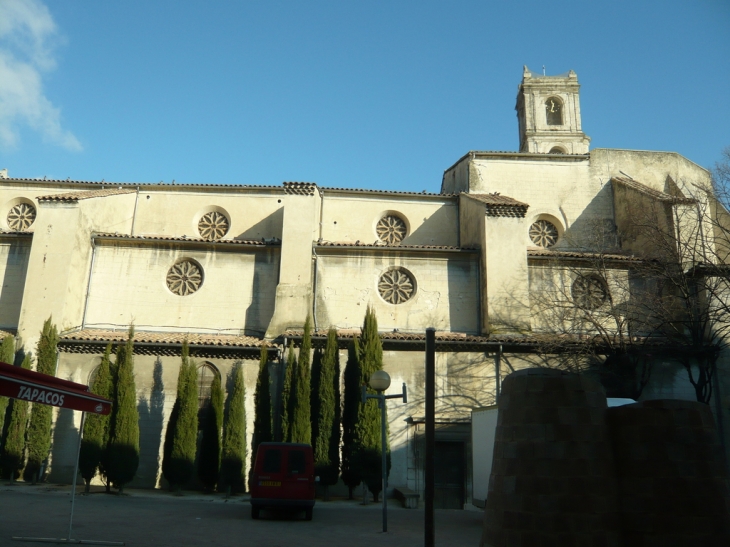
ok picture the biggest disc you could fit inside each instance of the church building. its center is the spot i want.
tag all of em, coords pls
(228, 267)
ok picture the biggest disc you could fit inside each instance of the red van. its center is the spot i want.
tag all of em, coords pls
(283, 476)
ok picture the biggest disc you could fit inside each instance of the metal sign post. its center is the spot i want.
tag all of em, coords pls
(429, 528)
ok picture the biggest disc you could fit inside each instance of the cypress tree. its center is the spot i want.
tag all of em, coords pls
(234, 436)
(181, 441)
(123, 449)
(327, 442)
(315, 405)
(39, 427)
(7, 355)
(301, 425)
(209, 459)
(96, 427)
(112, 395)
(13, 453)
(262, 430)
(350, 472)
(367, 430)
(288, 394)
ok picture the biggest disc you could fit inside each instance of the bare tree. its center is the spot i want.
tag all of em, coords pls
(584, 302)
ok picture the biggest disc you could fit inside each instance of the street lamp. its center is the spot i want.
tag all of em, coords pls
(380, 381)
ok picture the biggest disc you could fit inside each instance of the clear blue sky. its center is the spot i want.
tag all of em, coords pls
(356, 94)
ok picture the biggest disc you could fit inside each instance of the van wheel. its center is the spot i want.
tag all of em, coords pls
(255, 512)
(308, 514)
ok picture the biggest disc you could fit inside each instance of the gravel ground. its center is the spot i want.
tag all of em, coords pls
(155, 518)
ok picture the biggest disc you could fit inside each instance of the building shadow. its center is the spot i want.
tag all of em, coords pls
(151, 421)
(65, 444)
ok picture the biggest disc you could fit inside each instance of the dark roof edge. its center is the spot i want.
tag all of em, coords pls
(274, 242)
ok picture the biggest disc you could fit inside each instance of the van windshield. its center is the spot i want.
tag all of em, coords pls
(296, 461)
(272, 461)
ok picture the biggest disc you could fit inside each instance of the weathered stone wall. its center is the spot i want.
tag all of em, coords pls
(446, 286)
(156, 384)
(13, 265)
(128, 285)
(350, 218)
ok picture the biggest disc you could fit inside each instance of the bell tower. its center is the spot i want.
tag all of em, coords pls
(548, 111)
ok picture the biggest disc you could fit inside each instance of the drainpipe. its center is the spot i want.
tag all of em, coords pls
(88, 286)
(314, 287)
(498, 371)
(134, 214)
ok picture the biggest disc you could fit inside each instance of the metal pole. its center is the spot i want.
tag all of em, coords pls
(383, 446)
(76, 472)
(429, 535)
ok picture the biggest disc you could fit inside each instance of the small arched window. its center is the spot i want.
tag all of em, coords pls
(557, 150)
(554, 111)
(207, 372)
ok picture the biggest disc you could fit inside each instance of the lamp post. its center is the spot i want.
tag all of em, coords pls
(380, 381)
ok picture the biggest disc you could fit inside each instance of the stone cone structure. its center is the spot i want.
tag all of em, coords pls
(552, 480)
(673, 487)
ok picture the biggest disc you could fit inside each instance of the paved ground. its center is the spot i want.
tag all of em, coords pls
(158, 519)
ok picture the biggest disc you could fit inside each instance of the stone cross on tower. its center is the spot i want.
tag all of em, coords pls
(548, 111)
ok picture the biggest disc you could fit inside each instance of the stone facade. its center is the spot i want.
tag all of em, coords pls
(234, 265)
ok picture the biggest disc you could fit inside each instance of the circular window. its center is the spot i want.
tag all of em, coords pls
(391, 229)
(396, 286)
(588, 292)
(21, 216)
(184, 278)
(213, 225)
(543, 233)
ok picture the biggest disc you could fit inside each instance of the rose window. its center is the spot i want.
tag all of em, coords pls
(396, 286)
(543, 233)
(391, 229)
(213, 225)
(588, 292)
(21, 216)
(184, 278)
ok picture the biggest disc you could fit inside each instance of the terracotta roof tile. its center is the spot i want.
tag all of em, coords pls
(393, 192)
(651, 192)
(469, 342)
(72, 197)
(441, 336)
(194, 339)
(380, 245)
(134, 185)
(300, 188)
(546, 253)
(258, 242)
(497, 199)
(15, 233)
(500, 206)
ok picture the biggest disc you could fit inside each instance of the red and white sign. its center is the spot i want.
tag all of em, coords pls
(34, 387)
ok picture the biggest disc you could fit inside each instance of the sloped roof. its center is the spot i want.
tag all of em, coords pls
(164, 343)
(459, 341)
(15, 233)
(500, 206)
(547, 253)
(185, 239)
(651, 192)
(72, 197)
(383, 246)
